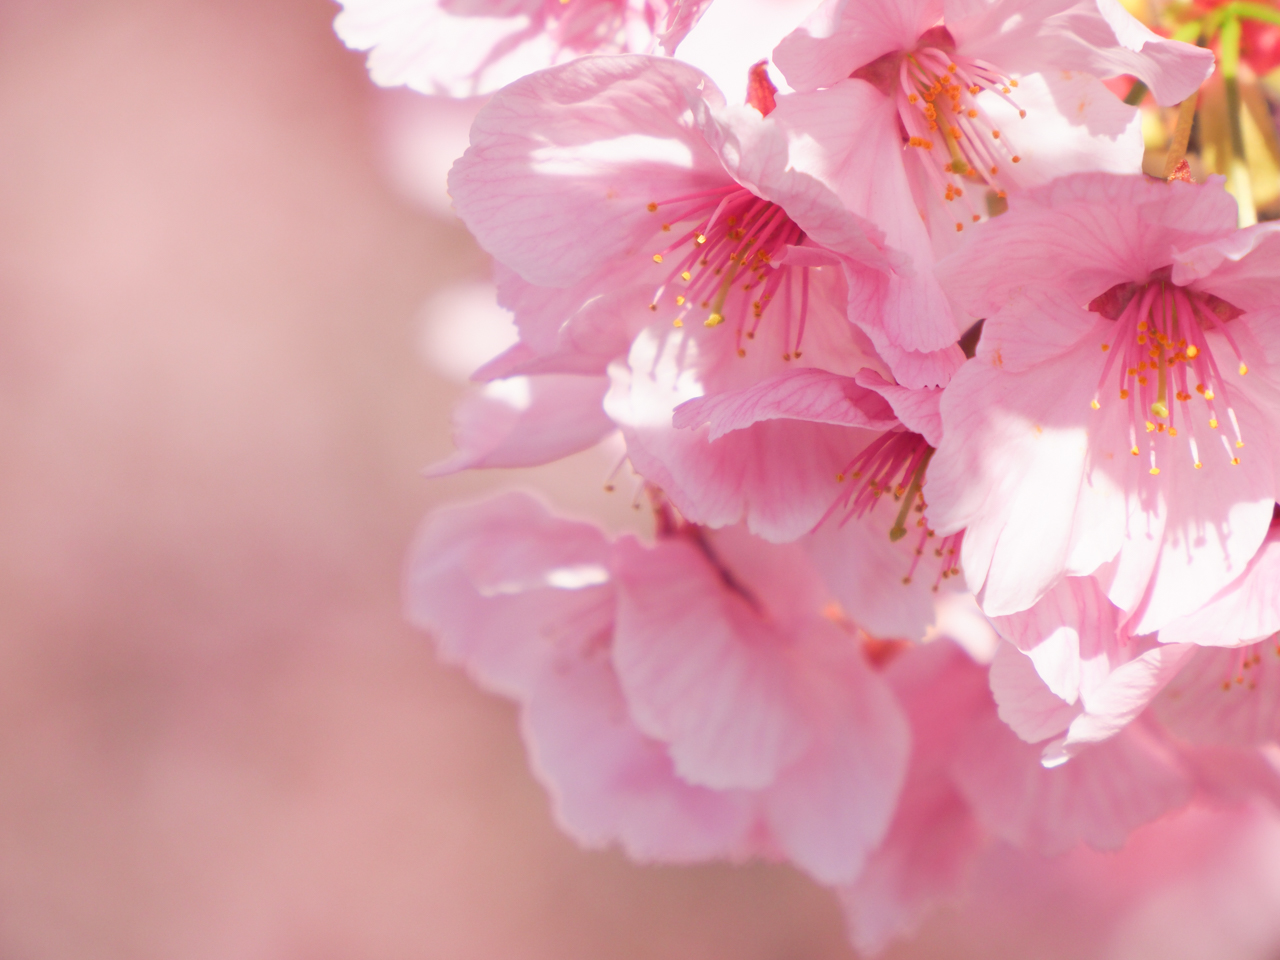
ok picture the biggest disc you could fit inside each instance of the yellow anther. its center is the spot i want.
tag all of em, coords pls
(713, 321)
(1173, 431)
(700, 239)
(657, 258)
(1150, 426)
(1199, 464)
(1243, 369)
(680, 301)
(685, 275)
(1239, 444)
(1213, 423)
(677, 322)
(1235, 461)
(1013, 83)
(1154, 471)
(1134, 451)
(1094, 404)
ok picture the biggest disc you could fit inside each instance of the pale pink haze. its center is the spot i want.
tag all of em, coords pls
(923, 114)
(465, 48)
(1120, 418)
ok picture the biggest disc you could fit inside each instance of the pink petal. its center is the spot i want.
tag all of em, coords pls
(1102, 40)
(918, 409)
(563, 163)
(609, 783)
(779, 476)
(503, 585)
(525, 421)
(934, 837)
(1097, 798)
(843, 35)
(702, 669)
(749, 692)
(869, 575)
(1241, 267)
(813, 395)
(1023, 701)
(862, 163)
(833, 807)
(1224, 696)
(1246, 610)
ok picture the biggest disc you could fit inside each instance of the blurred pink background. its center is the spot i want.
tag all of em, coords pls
(225, 281)
(218, 738)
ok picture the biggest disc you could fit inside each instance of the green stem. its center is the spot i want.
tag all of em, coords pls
(1136, 93)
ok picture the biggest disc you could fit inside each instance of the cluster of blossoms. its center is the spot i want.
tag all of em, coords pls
(959, 435)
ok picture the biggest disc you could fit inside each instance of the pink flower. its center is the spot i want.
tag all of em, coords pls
(986, 98)
(1094, 679)
(688, 700)
(1107, 426)
(463, 48)
(631, 203)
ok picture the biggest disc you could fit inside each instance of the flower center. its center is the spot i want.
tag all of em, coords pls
(937, 96)
(724, 263)
(1162, 351)
(894, 465)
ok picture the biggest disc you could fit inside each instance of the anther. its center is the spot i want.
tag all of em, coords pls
(657, 258)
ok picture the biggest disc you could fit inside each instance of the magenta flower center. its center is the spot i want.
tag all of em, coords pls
(962, 147)
(728, 240)
(1167, 372)
(893, 465)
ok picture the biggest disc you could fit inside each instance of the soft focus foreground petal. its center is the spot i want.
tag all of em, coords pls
(704, 670)
(1097, 798)
(1097, 37)
(682, 17)
(750, 694)
(563, 164)
(843, 35)
(1246, 610)
(934, 837)
(503, 585)
(814, 395)
(609, 783)
(417, 43)
(848, 138)
(1225, 696)
(834, 806)
(1023, 700)
(525, 421)
(777, 475)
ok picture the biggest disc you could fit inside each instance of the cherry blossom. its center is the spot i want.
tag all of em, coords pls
(464, 49)
(923, 116)
(1124, 375)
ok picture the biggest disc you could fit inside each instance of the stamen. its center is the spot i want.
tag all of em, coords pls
(1161, 328)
